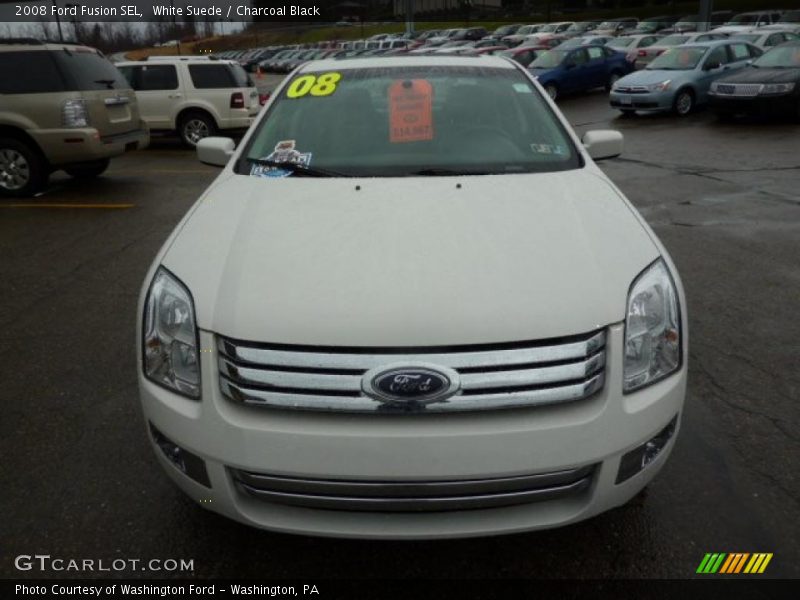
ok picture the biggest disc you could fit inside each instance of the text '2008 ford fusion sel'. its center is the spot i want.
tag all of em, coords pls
(412, 306)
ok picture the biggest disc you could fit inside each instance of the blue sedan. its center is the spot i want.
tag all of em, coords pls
(679, 79)
(579, 69)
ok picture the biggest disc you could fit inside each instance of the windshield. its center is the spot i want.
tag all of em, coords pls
(549, 59)
(678, 59)
(672, 40)
(622, 42)
(743, 20)
(402, 121)
(647, 26)
(747, 37)
(608, 25)
(792, 16)
(548, 28)
(786, 57)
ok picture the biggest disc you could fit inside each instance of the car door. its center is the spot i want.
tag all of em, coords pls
(597, 68)
(158, 92)
(575, 71)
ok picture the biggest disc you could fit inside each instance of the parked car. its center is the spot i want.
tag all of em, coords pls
(790, 20)
(679, 79)
(312, 316)
(749, 20)
(654, 25)
(692, 22)
(766, 38)
(589, 40)
(549, 40)
(193, 96)
(62, 107)
(581, 28)
(520, 34)
(617, 27)
(557, 27)
(771, 86)
(631, 44)
(646, 55)
(578, 69)
(524, 55)
(504, 30)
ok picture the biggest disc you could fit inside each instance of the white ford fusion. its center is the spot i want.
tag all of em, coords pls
(412, 306)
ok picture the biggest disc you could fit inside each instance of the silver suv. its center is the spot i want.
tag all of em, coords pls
(62, 107)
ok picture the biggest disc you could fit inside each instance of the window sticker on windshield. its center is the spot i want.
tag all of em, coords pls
(284, 152)
(410, 111)
(316, 85)
(548, 149)
(522, 88)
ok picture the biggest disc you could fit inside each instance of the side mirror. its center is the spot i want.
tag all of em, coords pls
(215, 151)
(603, 143)
(710, 66)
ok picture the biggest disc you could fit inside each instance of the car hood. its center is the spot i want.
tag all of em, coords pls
(761, 75)
(650, 76)
(414, 261)
(539, 71)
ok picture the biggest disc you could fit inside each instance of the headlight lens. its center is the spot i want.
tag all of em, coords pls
(170, 336)
(652, 328)
(777, 88)
(659, 87)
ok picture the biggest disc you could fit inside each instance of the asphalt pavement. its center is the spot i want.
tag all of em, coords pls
(81, 481)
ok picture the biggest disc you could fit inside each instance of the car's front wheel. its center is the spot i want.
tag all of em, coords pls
(196, 126)
(88, 170)
(683, 103)
(22, 170)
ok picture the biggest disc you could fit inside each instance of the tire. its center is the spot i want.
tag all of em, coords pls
(683, 103)
(612, 79)
(195, 126)
(552, 91)
(23, 172)
(88, 170)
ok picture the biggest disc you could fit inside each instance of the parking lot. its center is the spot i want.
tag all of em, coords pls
(722, 197)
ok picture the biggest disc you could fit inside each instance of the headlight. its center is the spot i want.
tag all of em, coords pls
(170, 346)
(777, 88)
(659, 87)
(652, 328)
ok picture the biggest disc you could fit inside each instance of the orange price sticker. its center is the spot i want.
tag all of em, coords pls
(410, 111)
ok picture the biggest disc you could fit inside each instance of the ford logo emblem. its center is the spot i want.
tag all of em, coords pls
(411, 385)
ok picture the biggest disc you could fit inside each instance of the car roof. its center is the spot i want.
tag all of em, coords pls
(408, 60)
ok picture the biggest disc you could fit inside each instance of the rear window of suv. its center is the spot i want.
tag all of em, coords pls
(219, 76)
(88, 70)
(40, 74)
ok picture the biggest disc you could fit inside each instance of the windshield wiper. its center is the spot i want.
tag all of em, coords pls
(297, 168)
(442, 172)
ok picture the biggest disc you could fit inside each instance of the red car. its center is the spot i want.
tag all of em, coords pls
(524, 55)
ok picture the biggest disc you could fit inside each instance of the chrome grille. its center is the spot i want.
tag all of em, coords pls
(632, 89)
(504, 376)
(746, 90)
(397, 496)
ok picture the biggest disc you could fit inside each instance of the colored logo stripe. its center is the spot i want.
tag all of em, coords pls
(735, 562)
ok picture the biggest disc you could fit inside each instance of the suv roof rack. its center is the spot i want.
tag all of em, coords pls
(183, 58)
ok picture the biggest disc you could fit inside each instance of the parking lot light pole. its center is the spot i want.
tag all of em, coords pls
(58, 21)
(706, 8)
(74, 18)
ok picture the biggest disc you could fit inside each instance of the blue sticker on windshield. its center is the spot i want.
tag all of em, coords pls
(284, 152)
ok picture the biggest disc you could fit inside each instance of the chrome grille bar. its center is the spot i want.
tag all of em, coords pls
(413, 496)
(515, 376)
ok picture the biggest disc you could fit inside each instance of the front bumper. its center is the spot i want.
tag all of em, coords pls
(587, 438)
(641, 101)
(70, 146)
(785, 104)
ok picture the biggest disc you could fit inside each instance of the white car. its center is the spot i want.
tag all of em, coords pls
(399, 312)
(749, 20)
(195, 96)
(767, 38)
